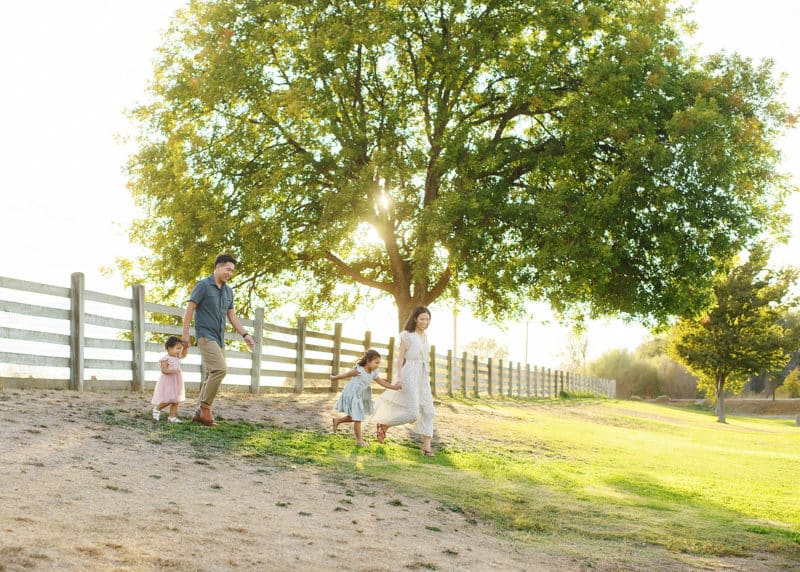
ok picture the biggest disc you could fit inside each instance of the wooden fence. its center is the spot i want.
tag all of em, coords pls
(90, 340)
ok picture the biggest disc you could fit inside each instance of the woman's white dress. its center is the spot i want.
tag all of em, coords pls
(414, 402)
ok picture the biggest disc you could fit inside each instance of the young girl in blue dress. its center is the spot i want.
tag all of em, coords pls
(356, 398)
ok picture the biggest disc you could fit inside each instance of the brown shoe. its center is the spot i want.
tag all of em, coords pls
(204, 416)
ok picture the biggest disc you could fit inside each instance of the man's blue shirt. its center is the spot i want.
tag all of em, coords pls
(211, 314)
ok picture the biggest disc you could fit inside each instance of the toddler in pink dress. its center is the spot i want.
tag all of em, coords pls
(169, 388)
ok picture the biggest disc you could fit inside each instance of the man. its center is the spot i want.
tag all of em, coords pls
(212, 302)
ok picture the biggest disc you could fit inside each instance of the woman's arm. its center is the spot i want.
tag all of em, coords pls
(344, 375)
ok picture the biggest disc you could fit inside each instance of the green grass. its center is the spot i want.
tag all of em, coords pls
(597, 475)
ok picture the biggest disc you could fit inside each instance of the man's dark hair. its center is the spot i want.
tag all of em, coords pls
(223, 259)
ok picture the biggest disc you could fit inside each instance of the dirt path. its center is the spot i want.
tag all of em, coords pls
(79, 494)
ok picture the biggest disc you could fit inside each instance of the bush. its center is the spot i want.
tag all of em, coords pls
(792, 383)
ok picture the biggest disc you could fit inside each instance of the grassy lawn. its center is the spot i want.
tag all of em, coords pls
(612, 477)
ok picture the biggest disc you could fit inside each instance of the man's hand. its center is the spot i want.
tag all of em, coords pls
(251, 343)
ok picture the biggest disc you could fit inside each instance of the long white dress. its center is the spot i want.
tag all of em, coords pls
(414, 402)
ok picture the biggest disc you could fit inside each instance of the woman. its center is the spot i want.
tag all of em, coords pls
(413, 402)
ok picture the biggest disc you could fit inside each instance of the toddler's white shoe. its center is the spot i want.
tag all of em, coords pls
(156, 414)
(174, 420)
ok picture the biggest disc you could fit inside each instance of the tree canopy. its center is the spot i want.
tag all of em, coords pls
(744, 333)
(573, 152)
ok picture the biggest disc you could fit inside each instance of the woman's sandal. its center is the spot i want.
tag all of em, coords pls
(381, 432)
(427, 453)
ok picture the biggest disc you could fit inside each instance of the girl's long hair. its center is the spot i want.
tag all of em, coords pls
(368, 356)
(411, 323)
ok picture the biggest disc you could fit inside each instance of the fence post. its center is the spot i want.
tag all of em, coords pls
(450, 373)
(389, 359)
(367, 340)
(519, 379)
(561, 378)
(337, 355)
(475, 374)
(433, 370)
(464, 374)
(500, 377)
(548, 392)
(535, 381)
(76, 326)
(528, 379)
(301, 354)
(255, 365)
(489, 374)
(510, 378)
(138, 334)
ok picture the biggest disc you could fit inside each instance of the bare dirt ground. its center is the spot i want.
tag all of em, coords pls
(80, 494)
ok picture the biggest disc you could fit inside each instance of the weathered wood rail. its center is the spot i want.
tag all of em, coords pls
(83, 339)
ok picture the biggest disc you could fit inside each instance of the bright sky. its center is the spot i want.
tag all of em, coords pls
(72, 68)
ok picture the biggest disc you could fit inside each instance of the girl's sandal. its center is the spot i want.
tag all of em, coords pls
(381, 432)
(427, 453)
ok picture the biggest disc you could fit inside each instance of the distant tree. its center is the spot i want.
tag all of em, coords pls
(575, 152)
(743, 333)
(634, 376)
(792, 383)
(485, 347)
(575, 351)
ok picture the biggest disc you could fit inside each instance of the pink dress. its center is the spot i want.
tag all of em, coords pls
(169, 387)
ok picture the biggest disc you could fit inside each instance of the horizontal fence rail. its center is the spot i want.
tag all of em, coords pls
(92, 340)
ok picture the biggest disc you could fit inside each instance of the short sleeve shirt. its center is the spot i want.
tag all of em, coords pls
(213, 304)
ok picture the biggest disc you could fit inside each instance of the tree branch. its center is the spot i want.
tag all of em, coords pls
(352, 273)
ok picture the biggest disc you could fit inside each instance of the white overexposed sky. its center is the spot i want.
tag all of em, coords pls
(72, 68)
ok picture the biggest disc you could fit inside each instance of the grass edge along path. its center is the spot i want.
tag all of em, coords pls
(589, 475)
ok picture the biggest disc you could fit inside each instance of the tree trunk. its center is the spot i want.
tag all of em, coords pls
(720, 409)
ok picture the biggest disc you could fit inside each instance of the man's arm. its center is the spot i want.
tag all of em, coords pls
(237, 325)
(187, 321)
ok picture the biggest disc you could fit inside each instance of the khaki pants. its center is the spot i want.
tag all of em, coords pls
(213, 358)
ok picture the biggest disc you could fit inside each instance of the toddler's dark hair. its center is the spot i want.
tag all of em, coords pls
(172, 341)
(368, 356)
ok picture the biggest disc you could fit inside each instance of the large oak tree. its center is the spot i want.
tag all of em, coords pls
(563, 150)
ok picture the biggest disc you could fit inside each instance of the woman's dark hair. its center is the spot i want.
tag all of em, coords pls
(224, 259)
(172, 341)
(411, 323)
(368, 356)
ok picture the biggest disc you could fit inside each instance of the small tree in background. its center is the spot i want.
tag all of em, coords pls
(634, 375)
(575, 351)
(485, 347)
(792, 383)
(744, 333)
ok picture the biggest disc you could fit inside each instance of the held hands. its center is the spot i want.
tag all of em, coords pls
(396, 386)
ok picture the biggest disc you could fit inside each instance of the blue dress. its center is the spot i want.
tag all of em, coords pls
(356, 398)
